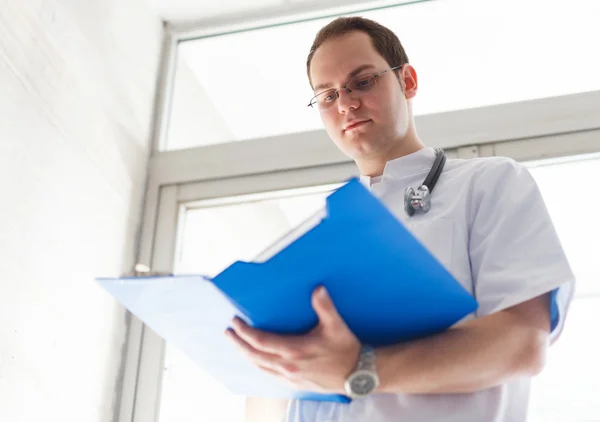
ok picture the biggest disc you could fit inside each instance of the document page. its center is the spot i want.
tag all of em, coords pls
(291, 236)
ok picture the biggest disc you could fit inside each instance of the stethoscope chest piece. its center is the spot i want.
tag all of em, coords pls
(419, 199)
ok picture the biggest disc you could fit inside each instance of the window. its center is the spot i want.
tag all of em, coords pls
(214, 236)
(469, 55)
(253, 84)
(568, 389)
(216, 233)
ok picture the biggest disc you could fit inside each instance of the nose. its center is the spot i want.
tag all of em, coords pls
(345, 101)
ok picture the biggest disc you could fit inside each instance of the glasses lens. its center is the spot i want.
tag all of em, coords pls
(324, 100)
(362, 83)
(357, 85)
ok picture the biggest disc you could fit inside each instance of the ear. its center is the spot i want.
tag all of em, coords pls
(408, 76)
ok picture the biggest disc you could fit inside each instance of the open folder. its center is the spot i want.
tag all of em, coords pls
(385, 284)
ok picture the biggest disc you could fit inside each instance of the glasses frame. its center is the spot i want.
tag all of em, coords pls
(348, 90)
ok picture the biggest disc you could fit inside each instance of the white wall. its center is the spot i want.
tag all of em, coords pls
(77, 83)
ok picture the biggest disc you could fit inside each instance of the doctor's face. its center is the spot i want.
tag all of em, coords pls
(367, 124)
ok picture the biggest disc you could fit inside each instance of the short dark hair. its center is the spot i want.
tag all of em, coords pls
(384, 40)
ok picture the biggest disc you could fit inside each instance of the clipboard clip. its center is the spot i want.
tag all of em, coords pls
(142, 270)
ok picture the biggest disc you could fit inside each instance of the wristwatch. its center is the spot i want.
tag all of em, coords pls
(364, 380)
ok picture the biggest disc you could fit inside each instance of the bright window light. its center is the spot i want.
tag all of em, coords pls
(467, 54)
(214, 237)
(568, 388)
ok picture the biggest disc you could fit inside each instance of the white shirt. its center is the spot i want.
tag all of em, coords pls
(489, 226)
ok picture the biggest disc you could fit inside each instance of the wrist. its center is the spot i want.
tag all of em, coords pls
(364, 379)
(391, 362)
(381, 360)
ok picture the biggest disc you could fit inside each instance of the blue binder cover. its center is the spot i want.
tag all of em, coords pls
(384, 283)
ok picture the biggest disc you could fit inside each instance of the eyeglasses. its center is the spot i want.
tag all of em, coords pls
(356, 86)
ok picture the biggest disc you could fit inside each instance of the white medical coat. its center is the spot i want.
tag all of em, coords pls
(489, 226)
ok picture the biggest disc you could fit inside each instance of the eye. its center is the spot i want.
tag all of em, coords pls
(363, 83)
(328, 96)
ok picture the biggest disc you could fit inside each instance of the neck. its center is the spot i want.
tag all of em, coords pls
(373, 166)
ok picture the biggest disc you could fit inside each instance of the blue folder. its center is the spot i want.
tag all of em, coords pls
(384, 282)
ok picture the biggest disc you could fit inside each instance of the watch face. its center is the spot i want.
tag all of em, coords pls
(363, 384)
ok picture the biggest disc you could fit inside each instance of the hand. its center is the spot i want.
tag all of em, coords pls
(319, 361)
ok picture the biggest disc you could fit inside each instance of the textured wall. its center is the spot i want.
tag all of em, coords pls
(77, 82)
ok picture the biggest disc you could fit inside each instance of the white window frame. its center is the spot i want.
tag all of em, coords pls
(530, 130)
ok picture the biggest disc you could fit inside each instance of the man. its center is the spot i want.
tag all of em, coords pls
(488, 225)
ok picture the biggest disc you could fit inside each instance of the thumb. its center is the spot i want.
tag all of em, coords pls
(325, 309)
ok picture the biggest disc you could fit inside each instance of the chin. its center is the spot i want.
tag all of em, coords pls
(356, 144)
(360, 147)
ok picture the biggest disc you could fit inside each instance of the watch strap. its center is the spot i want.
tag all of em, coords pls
(366, 359)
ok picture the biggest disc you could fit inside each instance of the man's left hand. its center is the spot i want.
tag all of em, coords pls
(318, 361)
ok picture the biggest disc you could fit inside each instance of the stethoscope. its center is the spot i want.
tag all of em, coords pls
(421, 198)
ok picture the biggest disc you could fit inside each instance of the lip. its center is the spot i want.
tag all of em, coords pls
(356, 123)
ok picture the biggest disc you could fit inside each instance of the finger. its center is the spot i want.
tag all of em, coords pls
(278, 374)
(271, 371)
(262, 359)
(256, 356)
(284, 346)
(325, 308)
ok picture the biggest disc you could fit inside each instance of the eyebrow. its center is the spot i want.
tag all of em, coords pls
(352, 74)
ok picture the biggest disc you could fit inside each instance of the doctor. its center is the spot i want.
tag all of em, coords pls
(487, 224)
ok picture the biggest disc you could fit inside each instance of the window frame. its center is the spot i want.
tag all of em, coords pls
(526, 131)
